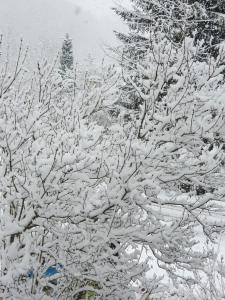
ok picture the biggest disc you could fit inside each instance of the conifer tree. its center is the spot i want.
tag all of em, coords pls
(156, 30)
(177, 19)
(66, 58)
(209, 22)
(202, 19)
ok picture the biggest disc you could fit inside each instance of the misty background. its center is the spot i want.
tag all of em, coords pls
(43, 23)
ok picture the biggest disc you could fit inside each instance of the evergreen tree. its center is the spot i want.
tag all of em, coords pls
(202, 19)
(66, 58)
(209, 22)
(176, 20)
(156, 30)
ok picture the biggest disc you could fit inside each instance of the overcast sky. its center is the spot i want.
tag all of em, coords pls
(43, 23)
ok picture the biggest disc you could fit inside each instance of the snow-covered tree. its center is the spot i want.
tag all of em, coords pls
(176, 86)
(209, 22)
(202, 19)
(177, 19)
(66, 58)
(102, 205)
(60, 204)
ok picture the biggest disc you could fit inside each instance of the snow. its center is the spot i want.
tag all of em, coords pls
(127, 203)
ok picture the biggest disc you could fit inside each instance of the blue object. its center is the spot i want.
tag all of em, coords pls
(30, 274)
(52, 270)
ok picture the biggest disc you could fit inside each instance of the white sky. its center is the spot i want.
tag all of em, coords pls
(43, 23)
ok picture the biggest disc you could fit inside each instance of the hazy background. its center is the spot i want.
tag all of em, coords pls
(43, 24)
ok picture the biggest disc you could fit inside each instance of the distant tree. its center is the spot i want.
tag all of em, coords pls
(66, 58)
